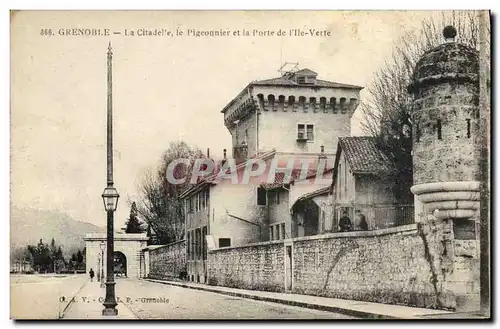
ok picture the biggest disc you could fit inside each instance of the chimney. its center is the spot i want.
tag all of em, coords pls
(322, 155)
(224, 158)
(208, 153)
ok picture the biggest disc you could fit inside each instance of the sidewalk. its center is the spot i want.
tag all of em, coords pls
(349, 307)
(87, 305)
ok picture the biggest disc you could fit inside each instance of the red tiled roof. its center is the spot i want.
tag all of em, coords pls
(363, 155)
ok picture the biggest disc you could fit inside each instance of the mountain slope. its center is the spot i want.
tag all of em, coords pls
(28, 226)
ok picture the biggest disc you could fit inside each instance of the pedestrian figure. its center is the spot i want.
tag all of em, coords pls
(361, 223)
(345, 224)
(91, 272)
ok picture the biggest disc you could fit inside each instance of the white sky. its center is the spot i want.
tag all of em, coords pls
(164, 89)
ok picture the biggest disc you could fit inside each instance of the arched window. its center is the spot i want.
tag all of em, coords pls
(312, 102)
(343, 105)
(302, 102)
(291, 101)
(260, 97)
(270, 99)
(281, 101)
(333, 104)
(322, 104)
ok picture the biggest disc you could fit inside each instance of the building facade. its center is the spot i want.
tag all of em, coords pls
(296, 117)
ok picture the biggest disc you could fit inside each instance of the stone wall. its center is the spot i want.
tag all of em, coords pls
(416, 265)
(168, 262)
(258, 266)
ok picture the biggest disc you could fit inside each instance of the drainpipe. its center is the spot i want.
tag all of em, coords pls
(246, 221)
(256, 122)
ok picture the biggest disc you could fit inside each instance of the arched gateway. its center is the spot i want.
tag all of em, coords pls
(127, 247)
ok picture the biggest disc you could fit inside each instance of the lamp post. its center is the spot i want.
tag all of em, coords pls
(103, 246)
(99, 268)
(110, 197)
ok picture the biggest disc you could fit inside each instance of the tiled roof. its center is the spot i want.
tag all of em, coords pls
(216, 172)
(363, 155)
(282, 81)
(308, 196)
(280, 179)
(306, 72)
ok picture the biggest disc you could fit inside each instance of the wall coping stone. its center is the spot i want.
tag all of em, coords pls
(255, 244)
(405, 229)
(117, 237)
(358, 234)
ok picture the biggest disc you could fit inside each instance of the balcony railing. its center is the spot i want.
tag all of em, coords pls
(378, 216)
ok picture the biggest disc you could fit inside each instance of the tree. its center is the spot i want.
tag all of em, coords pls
(79, 257)
(387, 114)
(134, 225)
(160, 204)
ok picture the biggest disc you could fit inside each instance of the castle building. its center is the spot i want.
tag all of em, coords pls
(295, 116)
(446, 167)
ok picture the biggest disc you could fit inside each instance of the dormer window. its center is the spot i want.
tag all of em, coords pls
(304, 79)
(305, 76)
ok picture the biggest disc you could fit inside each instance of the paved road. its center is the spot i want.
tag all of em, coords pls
(184, 303)
(38, 296)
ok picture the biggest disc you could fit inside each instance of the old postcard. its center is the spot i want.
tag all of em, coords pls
(250, 165)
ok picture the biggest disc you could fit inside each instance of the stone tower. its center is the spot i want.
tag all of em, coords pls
(446, 167)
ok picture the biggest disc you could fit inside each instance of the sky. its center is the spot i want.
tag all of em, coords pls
(164, 89)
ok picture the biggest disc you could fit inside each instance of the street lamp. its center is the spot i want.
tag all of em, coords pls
(103, 246)
(110, 197)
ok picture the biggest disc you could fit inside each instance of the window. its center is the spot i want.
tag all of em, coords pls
(261, 196)
(204, 234)
(191, 235)
(312, 101)
(310, 132)
(301, 132)
(343, 107)
(191, 205)
(333, 103)
(302, 102)
(439, 129)
(468, 128)
(322, 103)
(305, 132)
(282, 231)
(301, 79)
(271, 237)
(224, 242)
(198, 243)
(188, 245)
(339, 177)
(278, 232)
(260, 97)
(270, 99)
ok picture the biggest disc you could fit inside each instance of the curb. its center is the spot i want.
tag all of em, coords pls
(61, 314)
(335, 309)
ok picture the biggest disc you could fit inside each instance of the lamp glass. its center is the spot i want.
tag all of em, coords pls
(102, 245)
(110, 197)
